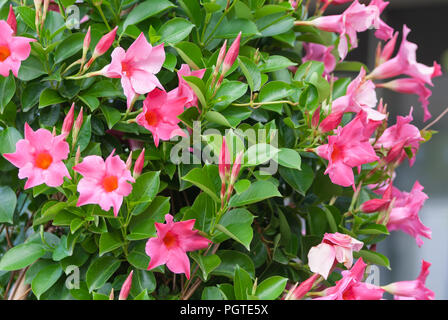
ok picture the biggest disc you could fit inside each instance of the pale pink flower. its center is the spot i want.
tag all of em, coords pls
(136, 67)
(13, 50)
(173, 241)
(405, 62)
(183, 89)
(412, 290)
(334, 247)
(39, 158)
(401, 135)
(159, 114)
(347, 149)
(360, 96)
(104, 182)
(319, 52)
(351, 287)
(411, 86)
(126, 287)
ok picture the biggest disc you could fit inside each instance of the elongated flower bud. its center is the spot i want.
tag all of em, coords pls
(303, 288)
(86, 44)
(77, 156)
(138, 167)
(124, 292)
(37, 6)
(224, 161)
(105, 43)
(45, 10)
(77, 127)
(111, 295)
(315, 118)
(12, 20)
(129, 161)
(231, 55)
(236, 167)
(219, 61)
(68, 121)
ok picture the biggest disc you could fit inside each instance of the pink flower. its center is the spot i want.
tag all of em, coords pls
(39, 158)
(360, 96)
(351, 287)
(126, 287)
(159, 114)
(173, 241)
(319, 52)
(405, 62)
(184, 90)
(376, 205)
(334, 246)
(401, 135)
(11, 20)
(411, 86)
(357, 18)
(136, 68)
(13, 50)
(384, 54)
(404, 214)
(347, 149)
(383, 32)
(412, 290)
(104, 182)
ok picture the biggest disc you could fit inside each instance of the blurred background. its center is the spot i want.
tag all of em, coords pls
(428, 21)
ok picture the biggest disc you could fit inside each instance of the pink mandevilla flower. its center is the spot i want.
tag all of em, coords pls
(104, 182)
(184, 90)
(136, 67)
(13, 50)
(173, 241)
(334, 247)
(159, 114)
(319, 52)
(39, 158)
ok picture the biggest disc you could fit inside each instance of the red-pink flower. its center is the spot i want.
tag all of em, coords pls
(376, 205)
(334, 247)
(412, 290)
(351, 287)
(184, 90)
(39, 158)
(401, 135)
(159, 114)
(360, 96)
(104, 182)
(136, 68)
(405, 62)
(319, 52)
(13, 50)
(347, 149)
(173, 241)
(404, 214)
(411, 86)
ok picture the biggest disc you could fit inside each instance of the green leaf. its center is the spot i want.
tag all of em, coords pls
(21, 256)
(7, 90)
(175, 30)
(230, 259)
(69, 47)
(258, 191)
(230, 28)
(100, 271)
(8, 139)
(251, 72)
(109, 242)
(258, 154)
(198, 87)
(143, 192)
(203, 210)
(190, 53)
(301, 180)
(145, 10)
(271, 288)
(242, 283)
(45, 279)
(201, 178)
(373, 257)
(354, 66)
(49, 97)
(227, 93)
(112, 115)
(8, 201)
(30, 95)
(373, 228)
(217, 118)
(306, 70)
(211, 293)
(289, 158)
(206, 263)
(31, 68)
(236, 224)
(274, 63)
(274, 91)
(193, 10)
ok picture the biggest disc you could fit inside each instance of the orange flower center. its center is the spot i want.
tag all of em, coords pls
(4, 53)
(336, 154)
(151, 118)
(126, 68)
(170, 240)
(110, 183)
(43, 160)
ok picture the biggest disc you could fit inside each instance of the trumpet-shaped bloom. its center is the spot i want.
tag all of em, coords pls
(399, 136)
(39, 158)
(360, 96)
(13, 50)
(405, 62)
(159, 115)
(351, 287)
(347, 149)
(173, 241)
(136, 67)
(184, 90)
(334, 247)
(319, 52)
(412, 290)
(104, 182)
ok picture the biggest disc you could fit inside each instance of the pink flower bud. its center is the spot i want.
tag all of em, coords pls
(86, 43)
(79, 120)
(304, 287)
(231, 55)
(126, 287)
(138, 167)
(78, 155)
(224, 161)
(12, 20)
(111, 295)
(315, 118)
(105, 43)
(221, 55)
(68, 121)
(375, 205)
(129, 161)
(236, 167)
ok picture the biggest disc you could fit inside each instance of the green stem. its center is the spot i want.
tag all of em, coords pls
(103, 17)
